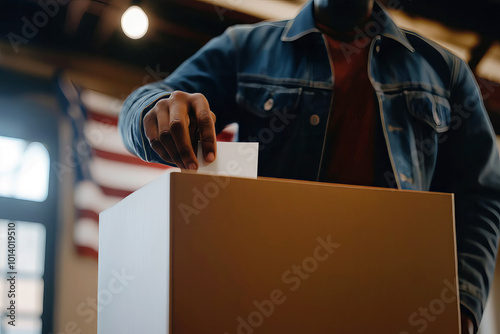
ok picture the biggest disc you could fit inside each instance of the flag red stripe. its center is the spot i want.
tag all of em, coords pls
(87, 251)
(129, 159)
(86, 213)
(112, 120)
(225, 136)
(108, 191)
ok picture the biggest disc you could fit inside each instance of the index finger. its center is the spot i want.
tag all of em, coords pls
(205, 120)
(178, 127)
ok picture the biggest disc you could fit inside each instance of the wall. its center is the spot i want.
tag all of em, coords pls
(76, 281)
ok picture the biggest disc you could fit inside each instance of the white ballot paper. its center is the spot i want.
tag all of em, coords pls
(232, 159)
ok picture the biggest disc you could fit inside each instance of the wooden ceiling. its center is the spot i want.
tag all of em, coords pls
(179, 27)
(84, 36)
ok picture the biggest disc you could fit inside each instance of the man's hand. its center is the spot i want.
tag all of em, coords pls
(174, 126)
(467, 324)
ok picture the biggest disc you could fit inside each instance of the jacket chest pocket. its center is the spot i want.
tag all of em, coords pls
(264, 101)
(428, 119)
(434, 110)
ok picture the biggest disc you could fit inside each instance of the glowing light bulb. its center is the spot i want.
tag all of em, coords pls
(135, 22)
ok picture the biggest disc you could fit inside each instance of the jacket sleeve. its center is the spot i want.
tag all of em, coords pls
(211, 71)
(472, 173)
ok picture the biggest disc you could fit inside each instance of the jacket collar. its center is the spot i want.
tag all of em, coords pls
(303, 24)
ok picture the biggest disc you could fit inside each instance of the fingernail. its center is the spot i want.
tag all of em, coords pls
(210, 157)
(192, 166)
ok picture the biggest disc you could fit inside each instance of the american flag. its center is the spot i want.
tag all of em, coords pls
(105, 171)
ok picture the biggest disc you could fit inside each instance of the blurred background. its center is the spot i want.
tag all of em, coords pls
(65, 69)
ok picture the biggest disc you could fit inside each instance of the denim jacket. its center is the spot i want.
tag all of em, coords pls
(275, 80)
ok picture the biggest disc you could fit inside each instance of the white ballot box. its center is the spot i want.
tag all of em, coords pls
(192, 253)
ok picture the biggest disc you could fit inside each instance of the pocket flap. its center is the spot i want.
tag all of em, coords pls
(430, 108)
(261, 99)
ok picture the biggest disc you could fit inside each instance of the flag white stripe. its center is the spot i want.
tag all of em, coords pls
(119, 175)
(104, 137)
(88, 196)
(86, 233)
(101, 103)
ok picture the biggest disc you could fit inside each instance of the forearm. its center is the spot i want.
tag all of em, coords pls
(211, 72)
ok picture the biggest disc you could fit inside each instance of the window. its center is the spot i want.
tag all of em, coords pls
(24, 169)
(24, 175)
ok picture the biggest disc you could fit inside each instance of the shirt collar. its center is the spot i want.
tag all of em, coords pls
(303, 24)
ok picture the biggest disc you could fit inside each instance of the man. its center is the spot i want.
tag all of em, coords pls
(339, 94)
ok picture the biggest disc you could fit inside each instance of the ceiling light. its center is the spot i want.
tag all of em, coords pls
(135, 22)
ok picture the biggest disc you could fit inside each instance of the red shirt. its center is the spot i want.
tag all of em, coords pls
(350, 145)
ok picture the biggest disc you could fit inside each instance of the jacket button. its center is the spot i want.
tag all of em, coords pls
(269, 104)
(377, 48)
(314, 120)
